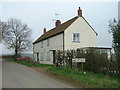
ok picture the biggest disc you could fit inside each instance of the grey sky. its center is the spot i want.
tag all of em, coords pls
(40, 14)
(119, 10)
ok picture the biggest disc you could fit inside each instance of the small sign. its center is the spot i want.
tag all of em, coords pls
(74, 60)
(81, 60)
(78, 60)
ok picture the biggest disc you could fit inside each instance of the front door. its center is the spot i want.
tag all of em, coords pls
(54, 62)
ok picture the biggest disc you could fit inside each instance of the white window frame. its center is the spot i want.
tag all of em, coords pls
(41, 56)
(76, 37)
(48, 56)
(48, 42)
(41, 44)
(103, 51)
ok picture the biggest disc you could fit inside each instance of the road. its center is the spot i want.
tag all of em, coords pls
(19, 76)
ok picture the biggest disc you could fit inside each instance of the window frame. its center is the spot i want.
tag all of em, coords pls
(41, 44)
(48, 42)
(48, 56)
(76, 37)
(41, 56)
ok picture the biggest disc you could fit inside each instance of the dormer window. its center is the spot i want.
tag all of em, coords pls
(76, 37)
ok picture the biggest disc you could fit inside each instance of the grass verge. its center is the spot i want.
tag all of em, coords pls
(85, 79)
(29, 64)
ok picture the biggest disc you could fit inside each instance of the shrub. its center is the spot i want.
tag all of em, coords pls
(94, 61)
(104, 71)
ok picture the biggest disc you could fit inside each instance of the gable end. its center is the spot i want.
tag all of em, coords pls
(90, 26)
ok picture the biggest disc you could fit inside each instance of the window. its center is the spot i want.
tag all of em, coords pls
(48, 42)
(76, 37)
(41, 56)
(103, 51)
(48, 56)
(41, 44)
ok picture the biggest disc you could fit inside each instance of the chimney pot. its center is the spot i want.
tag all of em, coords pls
(44, 31)
(57, 23)
(79, 12)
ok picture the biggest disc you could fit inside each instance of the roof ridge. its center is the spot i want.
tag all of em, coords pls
(61, 24)
(56, 30)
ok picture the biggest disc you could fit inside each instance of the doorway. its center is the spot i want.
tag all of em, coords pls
(37, 57)
(54, 61)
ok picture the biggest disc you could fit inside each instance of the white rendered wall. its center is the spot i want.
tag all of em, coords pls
(87, 35)
(56, 43)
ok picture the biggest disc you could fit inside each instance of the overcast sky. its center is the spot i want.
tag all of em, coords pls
(40, 14)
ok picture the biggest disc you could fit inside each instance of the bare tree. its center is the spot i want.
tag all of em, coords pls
(16, 35)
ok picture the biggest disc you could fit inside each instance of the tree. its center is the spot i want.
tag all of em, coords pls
(114, 26)
(16, 35)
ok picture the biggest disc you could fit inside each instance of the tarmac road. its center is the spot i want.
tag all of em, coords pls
(19, 76)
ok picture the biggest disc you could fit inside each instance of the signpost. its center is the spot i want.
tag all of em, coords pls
(73, 60)
(78, 60)
(82, 60)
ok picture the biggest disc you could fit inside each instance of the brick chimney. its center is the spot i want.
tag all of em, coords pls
(57, 23)
(79, 12)
(44, 30)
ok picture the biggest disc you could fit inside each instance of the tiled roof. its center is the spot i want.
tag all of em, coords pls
(59, 29)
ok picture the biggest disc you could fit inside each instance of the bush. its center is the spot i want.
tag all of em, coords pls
(94, 61)
(104, 71)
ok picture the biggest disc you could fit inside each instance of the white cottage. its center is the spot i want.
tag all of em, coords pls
(72, 34)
